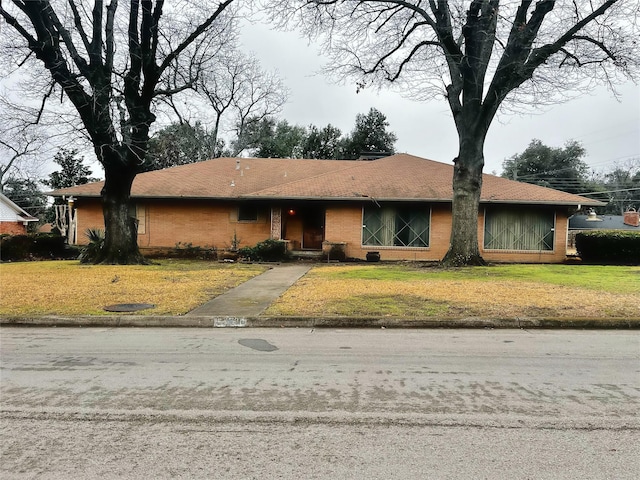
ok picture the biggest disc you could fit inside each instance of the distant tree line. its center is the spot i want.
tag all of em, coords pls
(270, 137)
(564, 169)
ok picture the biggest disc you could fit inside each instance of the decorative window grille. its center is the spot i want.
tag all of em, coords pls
(391, 226)
(510, 229)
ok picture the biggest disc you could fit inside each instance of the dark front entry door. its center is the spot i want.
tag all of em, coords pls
(313, 229)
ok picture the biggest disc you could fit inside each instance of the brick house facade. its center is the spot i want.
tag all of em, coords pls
(399, 206)
(13, 219)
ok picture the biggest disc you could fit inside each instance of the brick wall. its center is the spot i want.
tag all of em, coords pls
(344, 224)
(212, 224)
(88, 215)
(13, 228)
(200, 223)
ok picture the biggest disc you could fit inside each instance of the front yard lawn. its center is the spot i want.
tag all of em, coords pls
(362, 290)
(505, 291)
(69, 288)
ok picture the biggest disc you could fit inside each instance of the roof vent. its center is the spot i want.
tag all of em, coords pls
(233, 183)
(237, 164)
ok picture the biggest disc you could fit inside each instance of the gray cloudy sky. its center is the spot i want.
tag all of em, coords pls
(609, 129)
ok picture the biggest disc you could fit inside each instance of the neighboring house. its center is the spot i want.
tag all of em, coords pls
(13, 219)
(592, 221)
(399, 206)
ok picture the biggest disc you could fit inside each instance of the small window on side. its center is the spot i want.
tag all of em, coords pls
(247, 213)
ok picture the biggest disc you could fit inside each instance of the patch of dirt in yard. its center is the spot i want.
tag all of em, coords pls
(450, 298)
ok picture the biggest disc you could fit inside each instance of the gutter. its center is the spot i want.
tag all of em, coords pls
(351, 199)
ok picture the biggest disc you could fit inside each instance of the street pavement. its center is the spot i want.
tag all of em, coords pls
(309, 403)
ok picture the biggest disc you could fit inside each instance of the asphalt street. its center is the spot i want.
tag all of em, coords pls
(304, 403)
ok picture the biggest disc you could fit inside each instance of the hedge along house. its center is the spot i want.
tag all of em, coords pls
(399, 206)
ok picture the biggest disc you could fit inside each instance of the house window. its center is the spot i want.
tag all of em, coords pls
(247, 213)
(139, 212)
(395, 226)
(519, 229)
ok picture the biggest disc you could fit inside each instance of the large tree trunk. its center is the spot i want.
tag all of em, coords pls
(467, 184)
(121, 232)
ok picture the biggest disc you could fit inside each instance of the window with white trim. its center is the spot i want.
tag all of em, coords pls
(395, 226)
(519, 229)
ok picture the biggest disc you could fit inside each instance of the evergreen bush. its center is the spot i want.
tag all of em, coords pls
(609, 246)
(35, 246)
(267, 251)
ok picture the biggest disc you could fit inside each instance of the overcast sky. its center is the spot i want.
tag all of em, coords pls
(609, 129)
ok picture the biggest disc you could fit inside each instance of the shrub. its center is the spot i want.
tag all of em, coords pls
(35, 246)
(91, 252)
(14, 247)
(266, 251)
(336, 252)
(48, 245)
(609, 246)
(188, 250)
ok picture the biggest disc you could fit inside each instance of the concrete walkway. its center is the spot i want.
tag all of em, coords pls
(252, 297)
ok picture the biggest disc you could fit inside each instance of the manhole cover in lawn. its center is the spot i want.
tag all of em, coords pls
(128, 307)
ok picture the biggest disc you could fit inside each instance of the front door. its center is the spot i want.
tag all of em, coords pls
(313, 228)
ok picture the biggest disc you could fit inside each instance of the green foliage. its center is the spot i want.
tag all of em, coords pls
(72, 171)
(609, 246)
(267, 251)
(180, 144)
(91, 252)
(323, 144)
(272, 138)
(14, 247)
(559, 168)
(37, 246)
(195, 252)
(370, 135)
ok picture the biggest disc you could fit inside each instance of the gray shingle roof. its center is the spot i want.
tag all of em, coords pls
(601, 222)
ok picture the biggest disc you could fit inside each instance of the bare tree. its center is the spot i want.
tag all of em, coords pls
(18, 158)
(234, 90)
(240, 88)
(481, 56)
(110, 62)
(21, 145)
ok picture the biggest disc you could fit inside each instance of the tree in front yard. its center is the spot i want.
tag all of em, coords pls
(479, 55)
(113, 61)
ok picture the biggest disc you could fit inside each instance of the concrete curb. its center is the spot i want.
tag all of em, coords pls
(318, 322)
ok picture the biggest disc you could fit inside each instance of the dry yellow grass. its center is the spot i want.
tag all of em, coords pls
(178, 286)
(320, 293)
(69, 288)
